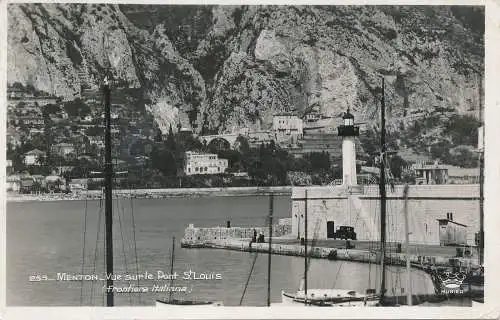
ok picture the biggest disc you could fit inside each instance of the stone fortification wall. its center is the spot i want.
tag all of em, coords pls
(360, 208)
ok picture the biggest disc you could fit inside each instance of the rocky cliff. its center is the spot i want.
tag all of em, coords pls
(219, 68)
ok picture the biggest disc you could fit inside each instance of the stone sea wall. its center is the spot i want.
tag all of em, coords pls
(361, 210)
(155, 193)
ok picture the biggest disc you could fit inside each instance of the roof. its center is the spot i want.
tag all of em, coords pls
(431, 166)
(35, 152)
(27, 182)
(284, 114)
(52, 178)
(13, 178)
(348, 115)
(199, 153)
(448, 220)
(373, 170)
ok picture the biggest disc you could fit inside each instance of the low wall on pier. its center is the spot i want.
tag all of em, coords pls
(193, 234)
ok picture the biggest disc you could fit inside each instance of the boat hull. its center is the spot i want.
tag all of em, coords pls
(187, 304)
(328, 298)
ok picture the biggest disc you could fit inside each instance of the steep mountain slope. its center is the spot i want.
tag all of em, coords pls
(224, 67)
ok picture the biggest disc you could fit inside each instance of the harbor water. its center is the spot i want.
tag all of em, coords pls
(47, 238)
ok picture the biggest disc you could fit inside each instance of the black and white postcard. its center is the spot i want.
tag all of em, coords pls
(210, 158)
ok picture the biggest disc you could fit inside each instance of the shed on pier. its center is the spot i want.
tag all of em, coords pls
(451, 232)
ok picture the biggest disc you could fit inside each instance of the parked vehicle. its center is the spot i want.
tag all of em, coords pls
(345, 232)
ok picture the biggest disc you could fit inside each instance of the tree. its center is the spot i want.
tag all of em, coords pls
(396, 165)
(51, 109)
(170, 143)
(462, 130)
(18, 85)
(463, 157)
(319, 161)
(95, 131)
(77, 108)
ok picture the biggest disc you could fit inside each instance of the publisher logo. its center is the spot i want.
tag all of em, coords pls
(452, 282)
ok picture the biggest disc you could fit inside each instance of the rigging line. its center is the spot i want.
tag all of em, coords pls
(84, 241)
(342, 263)
(95, 254)
(134, 239)
(249, 276)
(313, 244)
(251, 271)
(118, 202)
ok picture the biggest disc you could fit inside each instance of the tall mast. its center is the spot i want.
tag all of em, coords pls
(305, 246)
(382, 193)
(171, 268)
(407, 248)
(271, 209)
(108, 175)
(481, 175)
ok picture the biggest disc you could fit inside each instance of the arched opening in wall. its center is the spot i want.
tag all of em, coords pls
(218, 144)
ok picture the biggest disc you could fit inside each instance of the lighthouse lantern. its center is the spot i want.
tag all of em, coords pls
(348, 119)
(348, 131)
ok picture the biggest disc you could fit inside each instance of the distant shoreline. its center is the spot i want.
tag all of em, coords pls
(154, 193)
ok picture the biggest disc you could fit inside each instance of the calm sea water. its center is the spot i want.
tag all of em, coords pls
(46, 238)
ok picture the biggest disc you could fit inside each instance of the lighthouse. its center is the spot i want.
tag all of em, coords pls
(348, 131)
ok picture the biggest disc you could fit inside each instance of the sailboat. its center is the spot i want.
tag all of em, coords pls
(324, 297)
(170, 302)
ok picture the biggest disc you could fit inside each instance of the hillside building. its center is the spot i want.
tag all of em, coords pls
(204, 163)
(33, 157)
(444, 174)
(63, 149)
(287, 128)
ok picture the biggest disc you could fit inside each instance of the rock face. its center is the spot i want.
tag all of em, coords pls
(224, 67)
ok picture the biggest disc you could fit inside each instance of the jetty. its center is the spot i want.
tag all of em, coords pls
(428, 257)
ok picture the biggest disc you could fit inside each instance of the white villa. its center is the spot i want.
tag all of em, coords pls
(204, 163)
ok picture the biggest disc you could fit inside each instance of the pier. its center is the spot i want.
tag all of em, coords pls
(240, 239)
